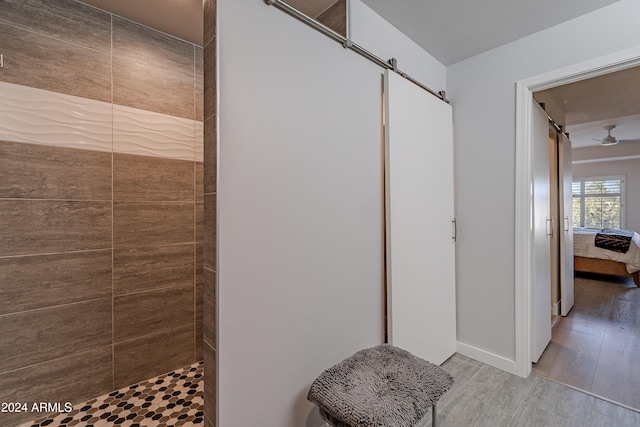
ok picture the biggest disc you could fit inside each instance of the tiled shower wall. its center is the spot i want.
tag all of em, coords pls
(101, 203)
(210, 195)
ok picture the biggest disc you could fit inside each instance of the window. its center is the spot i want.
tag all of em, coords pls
(598, 202)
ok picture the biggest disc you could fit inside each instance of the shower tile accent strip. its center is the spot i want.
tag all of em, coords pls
(148, 133)
(174, 399)
(39, 116)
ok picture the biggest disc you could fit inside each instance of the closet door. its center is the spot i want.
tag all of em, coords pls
(566, 234)
(419, 213)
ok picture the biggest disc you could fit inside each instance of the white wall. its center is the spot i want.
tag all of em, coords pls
(629, 168)
(482, 92)
(371, 31)
(300, 226)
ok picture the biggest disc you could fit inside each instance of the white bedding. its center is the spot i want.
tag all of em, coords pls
(584, 246)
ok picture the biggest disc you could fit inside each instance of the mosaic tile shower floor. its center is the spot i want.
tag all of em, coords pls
(170, 400)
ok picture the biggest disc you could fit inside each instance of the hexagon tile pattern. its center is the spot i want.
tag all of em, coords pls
(171, 400)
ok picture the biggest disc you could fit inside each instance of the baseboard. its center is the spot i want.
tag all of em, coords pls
(486, 357)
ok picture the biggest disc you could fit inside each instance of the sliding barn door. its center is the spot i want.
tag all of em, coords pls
(566, 233)
(543, 229)
(419, 213)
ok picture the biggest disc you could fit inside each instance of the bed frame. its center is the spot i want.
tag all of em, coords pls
(603, 266)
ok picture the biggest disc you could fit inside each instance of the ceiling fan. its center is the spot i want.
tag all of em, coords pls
(610, 139)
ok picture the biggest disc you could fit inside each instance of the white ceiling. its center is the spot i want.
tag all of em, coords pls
(453, 30)
(583, 135)
(612, 99)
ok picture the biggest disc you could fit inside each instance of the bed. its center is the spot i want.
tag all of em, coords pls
(589, 258)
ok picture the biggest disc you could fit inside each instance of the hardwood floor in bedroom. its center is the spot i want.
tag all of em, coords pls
(596, 347)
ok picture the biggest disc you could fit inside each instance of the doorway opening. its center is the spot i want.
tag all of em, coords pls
(524, 179)
(593, 346)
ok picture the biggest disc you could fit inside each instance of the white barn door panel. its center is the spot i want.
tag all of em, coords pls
(566, 234)
(419, 212)
(543, 229)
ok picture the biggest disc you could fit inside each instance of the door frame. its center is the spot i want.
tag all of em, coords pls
(524, 179)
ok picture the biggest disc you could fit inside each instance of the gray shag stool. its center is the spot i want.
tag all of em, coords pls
(383, 386)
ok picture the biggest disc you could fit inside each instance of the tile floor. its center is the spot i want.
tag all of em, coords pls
(597, 346)
(486, 396)
(174, 399)
(482, 396)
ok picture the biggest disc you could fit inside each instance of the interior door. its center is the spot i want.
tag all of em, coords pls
(543, 228)
(566, 234)
(419, 212)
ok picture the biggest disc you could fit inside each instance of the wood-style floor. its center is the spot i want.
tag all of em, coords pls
(597, 346)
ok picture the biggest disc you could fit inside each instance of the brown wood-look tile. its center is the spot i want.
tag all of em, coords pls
(625, 309)
(571, 361)
(146, 357)
(592, 300)
(199, 214)
(139, 224)
(31, 59)
(66, 20)
(162, 90)
(210, 156)
(572, 355)
(199, 321)
(44, 172)
(145, 178)
(566, 326)
(199, 83)
(70, 379)
(151, 70)
(209, 260)
(210, 84)
(139, 43)
(209, 12)
(37, 336)
(30, 227)
(147, 313)
(152, 268)
(30, 282)
(199, 166)
(209, 310)
(210, 384)
(617, 375)
(199, 260)
(595, 348)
